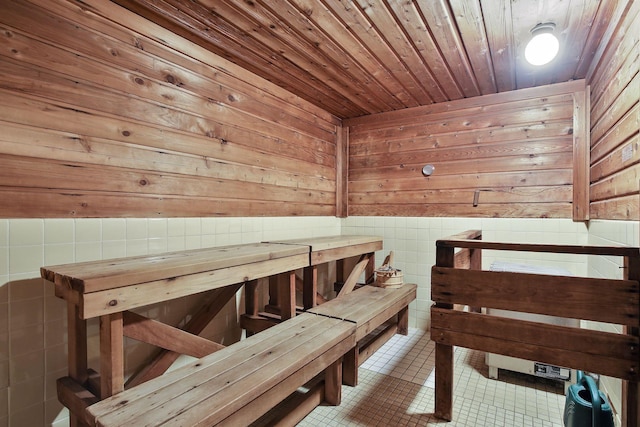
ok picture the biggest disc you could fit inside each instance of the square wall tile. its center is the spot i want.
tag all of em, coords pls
(137, 228)
(4, 232)
(26, 259)
(57, 231)
(114, 229)
(88, 230)
(26, 289)
(176, 227)
(88, 251)
(157, 228)
(26, 232)
(4, 261)
(114, 249)
(26, 312)
(55, 254)
(25, 340)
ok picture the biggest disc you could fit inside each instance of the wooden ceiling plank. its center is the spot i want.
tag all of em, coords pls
(225, 40)
(288, 39)
(384, 23)
(353, 58)
(356, 52)
(257, 37)
(436, 69)
(468, 16)
(443, 28)
(499, 28)
(358, 23)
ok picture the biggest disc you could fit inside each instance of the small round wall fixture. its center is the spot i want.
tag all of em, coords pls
(543, 46)
(427, 170)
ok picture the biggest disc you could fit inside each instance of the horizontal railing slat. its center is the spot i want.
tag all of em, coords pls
(600, 300)
(538, 247)
(561, 346)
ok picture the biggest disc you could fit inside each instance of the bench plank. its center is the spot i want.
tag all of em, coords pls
(126, 298)
(331, 248)
(219, 384)
(95, 276)
(357, 306)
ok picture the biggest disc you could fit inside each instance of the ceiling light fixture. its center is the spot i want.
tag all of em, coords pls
(543, 46)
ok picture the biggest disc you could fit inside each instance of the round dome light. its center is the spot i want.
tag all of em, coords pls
(543, 46)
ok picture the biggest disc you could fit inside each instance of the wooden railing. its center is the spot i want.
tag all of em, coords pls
(456, 282)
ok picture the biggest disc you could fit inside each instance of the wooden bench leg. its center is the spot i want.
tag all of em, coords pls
(309, 286)
(403, 321)
(287, 295)
(77, 354)
(251, 300)
(111, 354)
(333, 383)
(350, 367)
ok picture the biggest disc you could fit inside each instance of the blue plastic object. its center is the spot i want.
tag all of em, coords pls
(586, 406)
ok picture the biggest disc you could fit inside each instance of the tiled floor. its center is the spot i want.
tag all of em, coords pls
(396, 388)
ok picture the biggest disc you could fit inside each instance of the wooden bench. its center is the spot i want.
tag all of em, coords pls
(321, 250)
(239, 383)
(369, 308)
(108, 289)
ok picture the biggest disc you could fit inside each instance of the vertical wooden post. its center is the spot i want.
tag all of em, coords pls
(342, 166)
(77, 352)
(444, 353)
(630, 389)
(350, 367)
(403, 321)
(111, 355)
(581, 154)
(371, 266)
(251, 301)
(475, 263)
(251, 297)
(273, 291)
(309, 286)
(287, 295)
(333, 383)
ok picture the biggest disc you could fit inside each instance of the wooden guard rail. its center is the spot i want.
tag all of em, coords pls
(457, 279)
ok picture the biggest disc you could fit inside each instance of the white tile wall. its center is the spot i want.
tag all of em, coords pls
(32, 320)
(611, 233)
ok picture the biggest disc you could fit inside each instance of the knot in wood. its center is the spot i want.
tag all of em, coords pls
(113, 303)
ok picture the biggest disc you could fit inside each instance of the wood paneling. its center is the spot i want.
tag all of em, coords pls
(614, 76)
(504, 155)
(106, 114)
(361, 57)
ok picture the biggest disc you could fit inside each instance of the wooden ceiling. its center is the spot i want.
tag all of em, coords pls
(366, 56)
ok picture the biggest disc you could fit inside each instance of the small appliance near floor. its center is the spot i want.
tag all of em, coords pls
(396, 388)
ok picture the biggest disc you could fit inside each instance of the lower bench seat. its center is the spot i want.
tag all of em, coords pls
(239, 383)
(369, 308)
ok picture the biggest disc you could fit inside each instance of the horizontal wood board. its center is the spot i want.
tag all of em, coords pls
(109, 115)
(95, 276)
(324, 249)
(599, 352)
(493, 156)
(600, 300)
(220, 384)
(614, 77)
(357, 306)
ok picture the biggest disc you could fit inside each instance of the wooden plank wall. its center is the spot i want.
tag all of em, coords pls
(502, 155)
(615, 118)
(104, 114)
